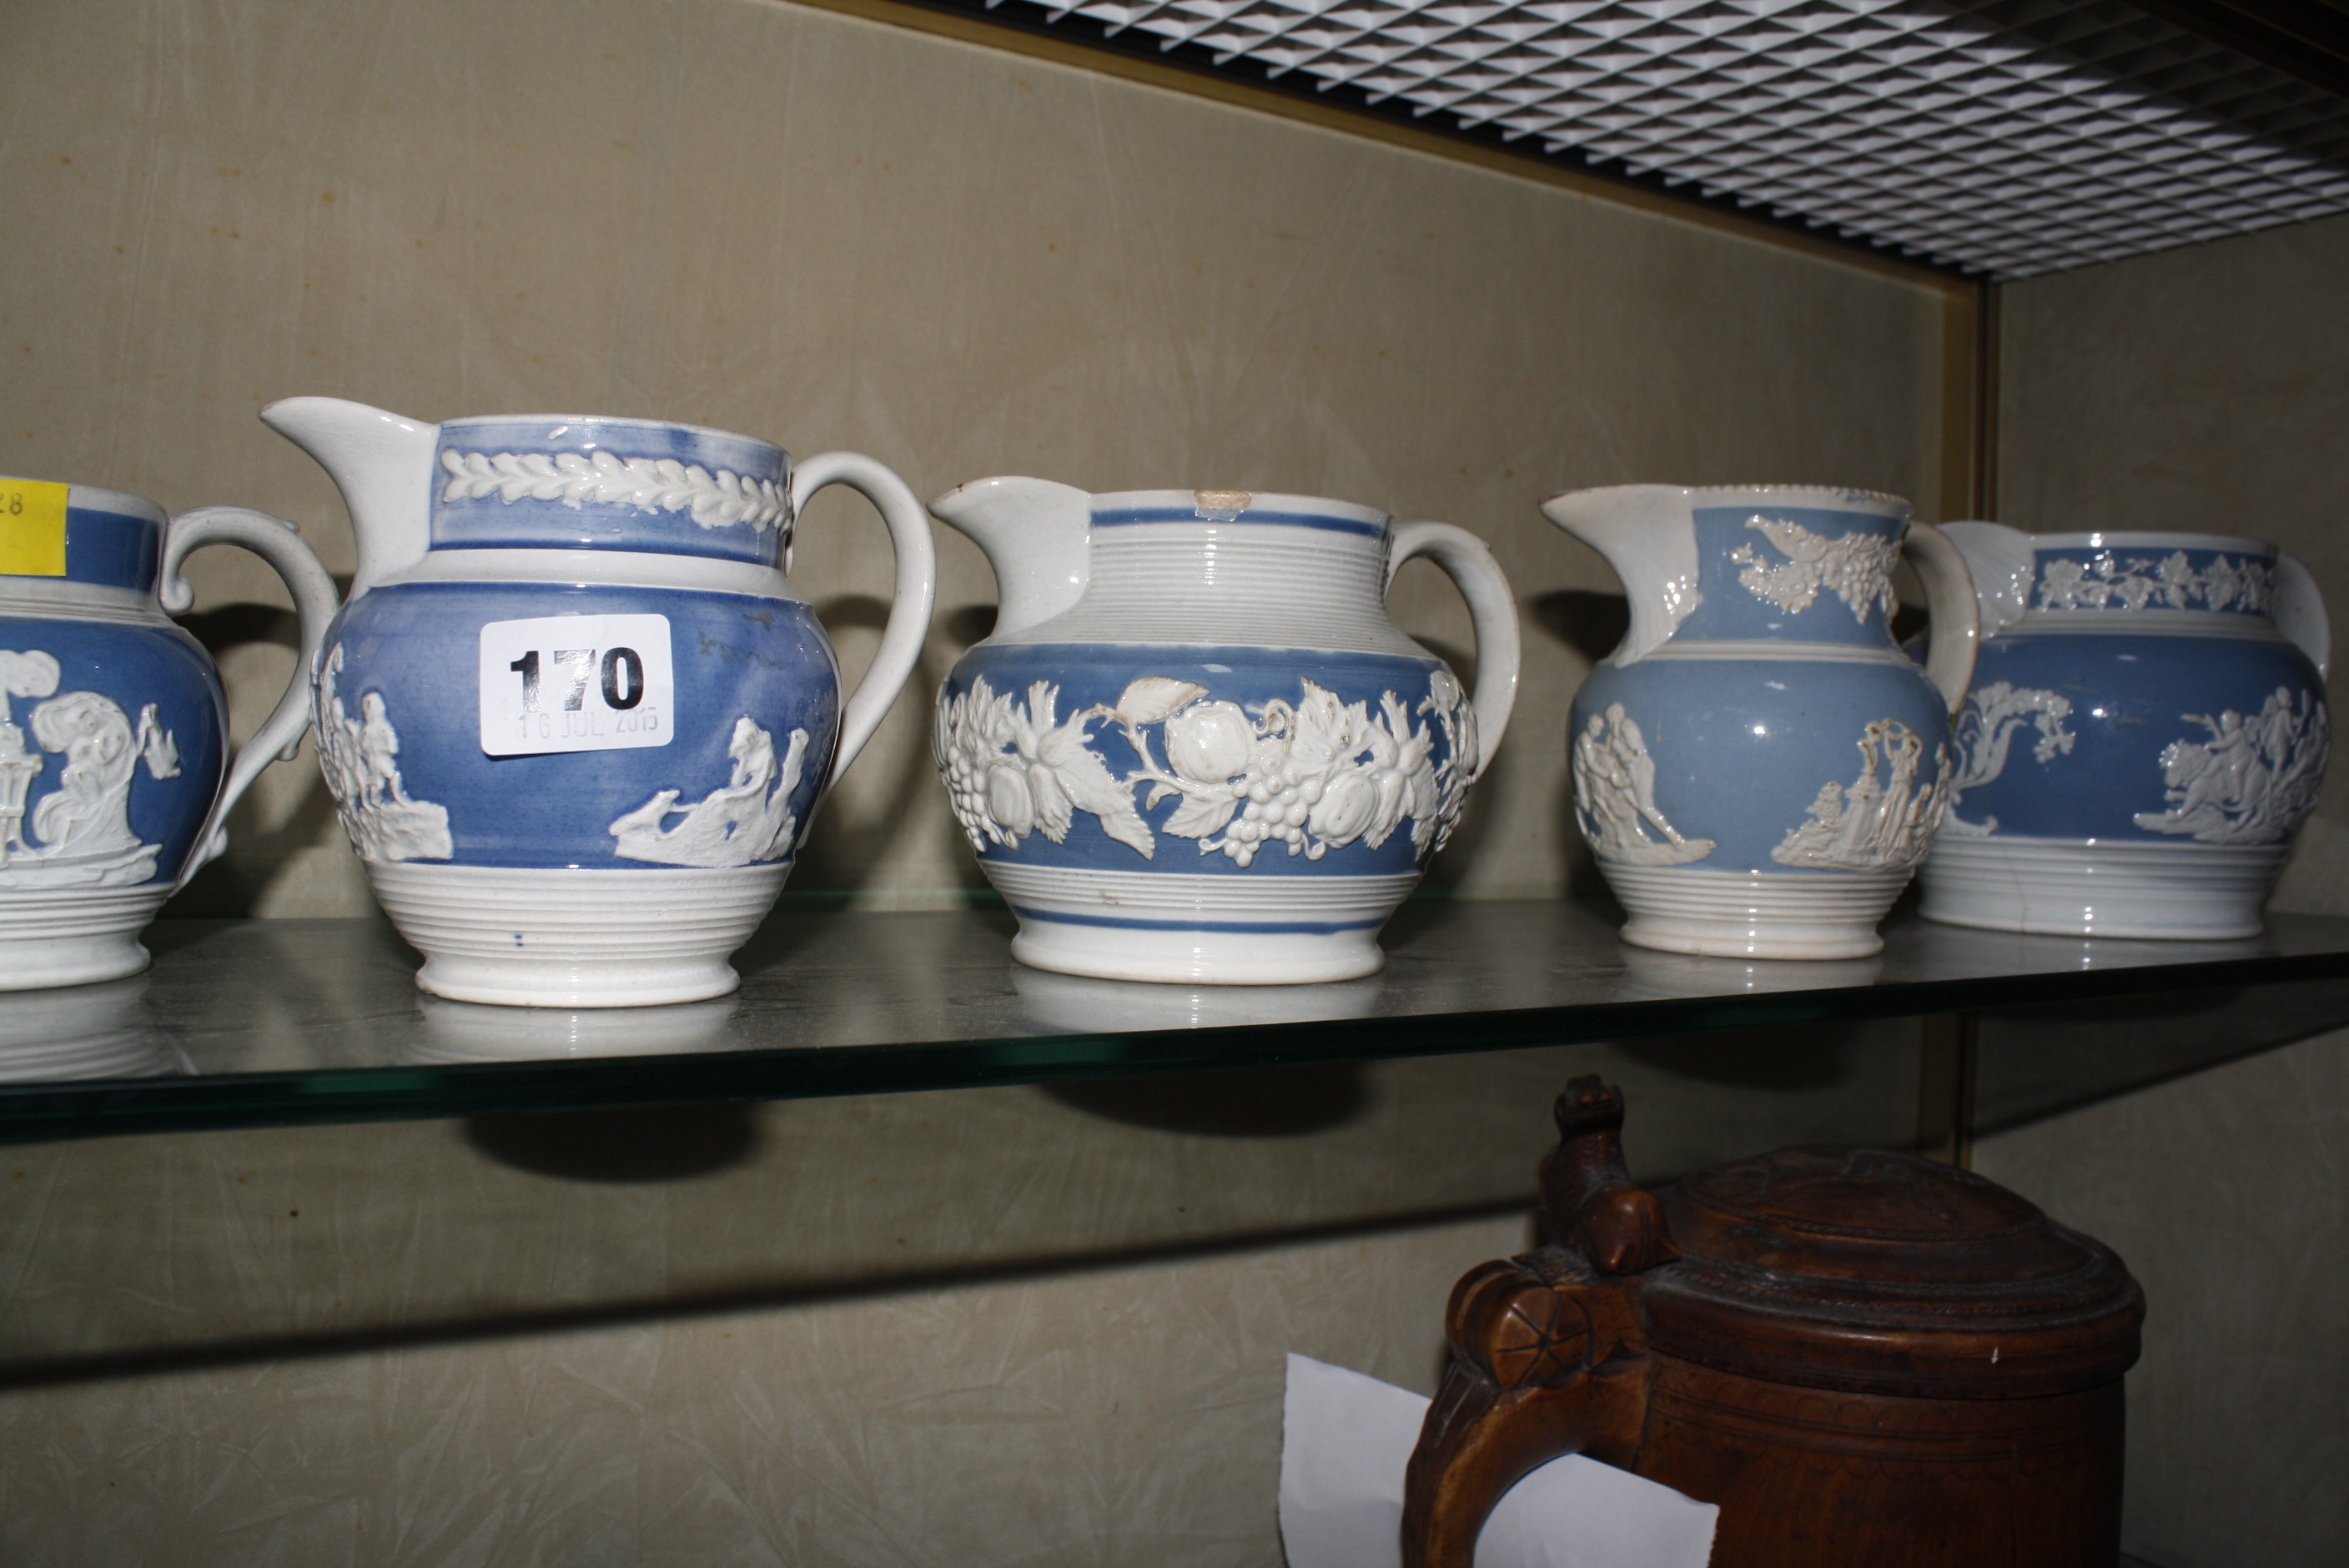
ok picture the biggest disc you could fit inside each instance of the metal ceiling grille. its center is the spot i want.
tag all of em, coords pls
(2009, 138)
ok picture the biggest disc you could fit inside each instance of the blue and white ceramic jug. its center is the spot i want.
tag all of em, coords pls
(115, 775)
(574, 717)
(2146, 733)
(1757, 768)
(1196, 748)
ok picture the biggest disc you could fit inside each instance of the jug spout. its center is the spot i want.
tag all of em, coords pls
(1649, 536)
(382, 462)
(1035, 535)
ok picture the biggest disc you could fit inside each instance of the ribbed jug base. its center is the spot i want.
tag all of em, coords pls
(1186, 929)
(2175, 892)
(1754, 914)
(575, 938)
(73, 937)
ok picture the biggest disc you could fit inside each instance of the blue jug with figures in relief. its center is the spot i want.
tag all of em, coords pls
(2146, 733)
(1757, 768)
(115, 773)
(574, 717)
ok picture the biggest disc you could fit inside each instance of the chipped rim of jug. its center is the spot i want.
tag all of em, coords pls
(1274, 502)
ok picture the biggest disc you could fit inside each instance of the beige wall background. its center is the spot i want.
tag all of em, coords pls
(990, 1326)
(2228, 1194)
(838, 233)
(1128, 1417)
(2209, 389)
(963, 261)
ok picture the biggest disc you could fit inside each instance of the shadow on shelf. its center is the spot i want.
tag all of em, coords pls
(330, 1241)
(1796, 1064)
(653, 1144)
(384, 1235)
(1253, 1103)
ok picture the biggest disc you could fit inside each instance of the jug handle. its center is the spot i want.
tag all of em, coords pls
(1549, 1351)
(278, 542)
(1955, 610)
(1542, 1367)
(2300, 611)
(909, 607)
(1492, 611)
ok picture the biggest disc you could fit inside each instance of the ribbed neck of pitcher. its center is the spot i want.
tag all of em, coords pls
(555, 482)
(2120, 574)
(1228, 567)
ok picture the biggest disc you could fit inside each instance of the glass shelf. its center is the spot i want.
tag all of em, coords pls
(254, 1023)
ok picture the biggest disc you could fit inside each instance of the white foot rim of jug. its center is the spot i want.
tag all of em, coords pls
(575, 938)
(2052, 887)
(1196, 957)
(1754, 914)
(73, 937)
(1182, 928)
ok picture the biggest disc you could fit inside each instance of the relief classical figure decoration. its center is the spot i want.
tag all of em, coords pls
(1985, 728)
(2253, 781)
(360, 757)
(719, 500)
(1615, 796)
(1884, 821)
(2141, 582)
(1309, 777)
(746, 821)
(83, 825)
(1856, 568)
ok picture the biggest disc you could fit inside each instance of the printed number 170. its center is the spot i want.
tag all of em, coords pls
(576, 682)
(623, 672)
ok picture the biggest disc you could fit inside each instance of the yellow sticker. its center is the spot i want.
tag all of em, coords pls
(32, 528)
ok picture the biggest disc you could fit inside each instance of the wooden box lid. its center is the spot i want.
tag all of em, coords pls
(1880, 1273)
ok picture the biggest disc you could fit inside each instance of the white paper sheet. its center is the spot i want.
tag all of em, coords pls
(1347, 1438)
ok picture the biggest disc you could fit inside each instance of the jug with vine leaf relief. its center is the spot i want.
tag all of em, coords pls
(1196, 748)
